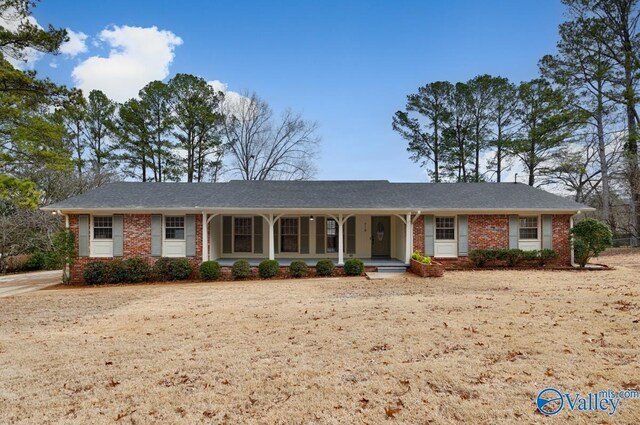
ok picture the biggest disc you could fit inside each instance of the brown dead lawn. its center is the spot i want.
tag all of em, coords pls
(474, 347)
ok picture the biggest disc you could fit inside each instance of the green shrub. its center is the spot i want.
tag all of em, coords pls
(424, 259)
(137, 270)
(298, 268)
(116, 271)
(172, 269)
(353, 267)
(161, 269)
(325, 267)
(241, 269)
(95, 272)
(36, 261)
(209, 270)
(63, 252)
(514, 257)
(480, 257)
(181, 269)
(590, 238)
(268, 269)
(546, 255)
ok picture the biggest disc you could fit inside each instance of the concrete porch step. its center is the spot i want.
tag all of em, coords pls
(392, 269)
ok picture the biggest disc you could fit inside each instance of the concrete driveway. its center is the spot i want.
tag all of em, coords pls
(26, 282)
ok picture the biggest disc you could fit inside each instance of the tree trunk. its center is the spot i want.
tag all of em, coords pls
(499, 155)
(436, 152)
(604, 168)
(532, 163)
(631, 150)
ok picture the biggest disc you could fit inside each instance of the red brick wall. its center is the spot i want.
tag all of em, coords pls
(491, 231)
(418, 235)
(137, 242)
(561, 243)
(488, 231)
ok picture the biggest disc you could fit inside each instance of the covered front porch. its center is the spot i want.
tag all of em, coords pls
(379, 238)
(286, 262)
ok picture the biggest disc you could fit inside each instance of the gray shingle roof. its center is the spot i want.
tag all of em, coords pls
(354, 194)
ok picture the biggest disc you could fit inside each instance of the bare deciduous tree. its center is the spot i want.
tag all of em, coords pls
(263, 147)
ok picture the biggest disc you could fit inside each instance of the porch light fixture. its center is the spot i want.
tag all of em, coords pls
(312, 218)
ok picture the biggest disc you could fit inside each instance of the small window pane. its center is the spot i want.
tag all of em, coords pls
(242, 227)
(528, 227)
(445, 228)
(174, 228)
(102, 227)
(289, 235)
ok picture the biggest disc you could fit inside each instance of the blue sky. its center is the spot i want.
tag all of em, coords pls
(346, 64)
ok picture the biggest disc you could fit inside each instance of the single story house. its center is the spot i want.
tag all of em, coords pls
(379, 222)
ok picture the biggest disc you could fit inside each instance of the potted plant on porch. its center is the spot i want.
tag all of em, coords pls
(424, 267)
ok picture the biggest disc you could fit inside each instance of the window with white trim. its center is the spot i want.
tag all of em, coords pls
(102, 227)
(242, 234)
(529, 227)
(445, 228)
(289, 234)
(174, 228)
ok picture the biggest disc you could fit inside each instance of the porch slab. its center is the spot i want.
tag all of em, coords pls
(368, 262)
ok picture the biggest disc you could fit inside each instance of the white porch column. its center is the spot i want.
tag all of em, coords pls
(272, 246)
(407, 243)
(205, 237)
(340, 241)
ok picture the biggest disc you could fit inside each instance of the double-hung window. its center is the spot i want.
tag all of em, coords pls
(102, 227)
(288, 235)
(445, 228)
(242, 229)
(332, 235)
(174, 228)
(529, 227)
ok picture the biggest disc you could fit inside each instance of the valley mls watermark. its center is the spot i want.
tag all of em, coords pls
(551, 401)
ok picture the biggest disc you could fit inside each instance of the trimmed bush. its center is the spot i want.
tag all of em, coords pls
(546, 255)
(172, 269)
(116, 271)
(268, 269)
(512, 257)
(138, 270)
(209, 270)
(161, 268)
(181, 269)
(298, 268)
(241, 269)
(95, 272)
(480, 257)
(325, 267)
(590, 238)
(353, 267)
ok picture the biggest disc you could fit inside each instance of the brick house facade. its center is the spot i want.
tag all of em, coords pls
(491, 231)
(137, 243)
(377, 221)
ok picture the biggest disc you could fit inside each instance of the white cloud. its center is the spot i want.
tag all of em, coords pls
(137, 56)
(230, 97)
(75, 45)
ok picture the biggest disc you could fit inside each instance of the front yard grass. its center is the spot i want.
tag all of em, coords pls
(474, 347)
